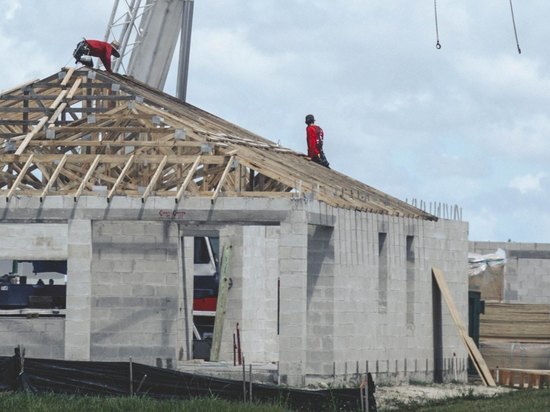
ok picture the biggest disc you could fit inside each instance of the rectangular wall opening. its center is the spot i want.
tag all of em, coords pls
(437, 319)
(35, 284)
(382, 272)
(410, 268)
(206, 278)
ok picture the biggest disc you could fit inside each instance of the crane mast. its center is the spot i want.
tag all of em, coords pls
(147, 31)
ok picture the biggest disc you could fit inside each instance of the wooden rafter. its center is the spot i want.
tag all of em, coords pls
(54, 177)
(19, 178)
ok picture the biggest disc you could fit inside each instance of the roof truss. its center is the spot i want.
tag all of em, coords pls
(86, 132)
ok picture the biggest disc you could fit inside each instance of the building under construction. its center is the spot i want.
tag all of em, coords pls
(327, 278)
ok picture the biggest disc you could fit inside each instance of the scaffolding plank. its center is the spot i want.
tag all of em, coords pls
(221, 304)
(473, 351)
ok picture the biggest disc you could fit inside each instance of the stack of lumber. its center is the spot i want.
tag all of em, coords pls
(515, 335)
(515, 321)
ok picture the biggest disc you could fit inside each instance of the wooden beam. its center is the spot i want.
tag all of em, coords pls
(145, 158)
(153, 181)
(74, 88)
(222, 179)
(20, 177)
(473, 351)
(188, 178)
(221, 304)
(60, 97)
(57, 112)
(68, 76)
(86, 178)
(54, 177)
(31, 134)
(120, 177)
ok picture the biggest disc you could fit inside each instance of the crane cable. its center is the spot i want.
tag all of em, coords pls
(514, 23)
(437, 45)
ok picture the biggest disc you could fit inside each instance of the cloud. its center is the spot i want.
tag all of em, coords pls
(10, 8)
(527, 183)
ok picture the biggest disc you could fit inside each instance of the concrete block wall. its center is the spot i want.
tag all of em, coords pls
(293, 297)
(41, 337)
(527, 270)
(252, 299)
(259, 326)
(34, 241)
(79, 290)
(135, 281)
(371, 324)
(445, 247)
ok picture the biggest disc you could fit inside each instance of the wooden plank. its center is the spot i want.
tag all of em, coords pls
(31, 134)
(60, 97)
(20, 177)
(223, 291)
(86, 178)
(68, 76)
(57, 112)
(515, 321)
(153, 181)
(222, 179)
(74, 88)
(188, 178)
(87, 158)
(120, 177)
(54, 177)
(473, 351)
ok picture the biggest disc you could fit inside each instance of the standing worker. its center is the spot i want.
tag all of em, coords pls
(96, 48)
(314, 137)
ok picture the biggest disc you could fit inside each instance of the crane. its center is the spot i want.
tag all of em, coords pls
(147, 31)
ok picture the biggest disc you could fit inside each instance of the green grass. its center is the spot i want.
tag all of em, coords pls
(533, 400)
(516, 401)
(18, 402)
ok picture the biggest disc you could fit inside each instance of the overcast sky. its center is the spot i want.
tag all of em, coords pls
(467, 124)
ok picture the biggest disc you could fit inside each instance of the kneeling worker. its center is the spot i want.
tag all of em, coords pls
(96, 48)
(314, 137)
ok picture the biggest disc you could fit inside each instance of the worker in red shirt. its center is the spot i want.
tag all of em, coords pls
(96, 48)
(314, 137)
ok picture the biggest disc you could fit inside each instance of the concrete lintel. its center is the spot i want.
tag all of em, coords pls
(225, 210)
(320, 219)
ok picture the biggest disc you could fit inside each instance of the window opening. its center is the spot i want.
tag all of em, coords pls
(37, 284)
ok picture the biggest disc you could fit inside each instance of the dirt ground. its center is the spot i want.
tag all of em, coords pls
(388, 396)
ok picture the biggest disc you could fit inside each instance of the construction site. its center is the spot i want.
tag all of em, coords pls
(138, 226)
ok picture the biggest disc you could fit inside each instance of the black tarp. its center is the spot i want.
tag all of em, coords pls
(112, 379)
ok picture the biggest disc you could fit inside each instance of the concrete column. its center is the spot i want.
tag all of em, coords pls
(293, 298)
(79, 290)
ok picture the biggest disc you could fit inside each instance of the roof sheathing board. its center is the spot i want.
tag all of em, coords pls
(86, 132)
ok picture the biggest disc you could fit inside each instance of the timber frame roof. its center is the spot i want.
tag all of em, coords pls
(88, 132)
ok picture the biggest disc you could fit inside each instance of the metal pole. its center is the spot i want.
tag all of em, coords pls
(126, 31)
(250, 383)
(111, 20)
(131, 378)
(244, 381)
(185, 48)
(240, 358)
(234, 351)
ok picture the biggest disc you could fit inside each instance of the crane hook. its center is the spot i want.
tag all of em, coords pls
(437, 44)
